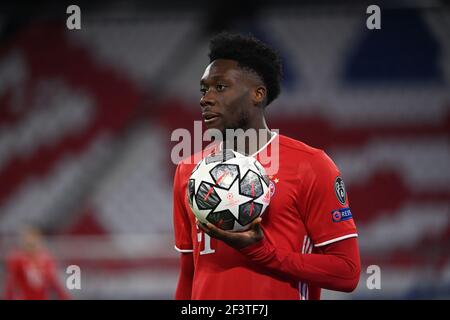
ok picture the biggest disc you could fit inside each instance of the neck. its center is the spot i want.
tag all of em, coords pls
(250, 139)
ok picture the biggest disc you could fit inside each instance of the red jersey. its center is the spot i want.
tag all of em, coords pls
(308, 209)
(32, 277)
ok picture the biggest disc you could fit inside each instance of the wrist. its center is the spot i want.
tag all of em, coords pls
(254, 246)
(260, 252)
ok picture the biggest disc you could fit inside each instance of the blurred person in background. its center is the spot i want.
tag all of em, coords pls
(31, 272)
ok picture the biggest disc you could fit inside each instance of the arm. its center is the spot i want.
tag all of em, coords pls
(10, 281)
(184, 287)
(336, 268)
(183, 240)
(54, 281)
(337, 265)
(59, 290)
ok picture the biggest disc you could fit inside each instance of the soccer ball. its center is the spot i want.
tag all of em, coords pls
(228, 190)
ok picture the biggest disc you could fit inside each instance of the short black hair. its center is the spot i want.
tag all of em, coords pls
(250, 53)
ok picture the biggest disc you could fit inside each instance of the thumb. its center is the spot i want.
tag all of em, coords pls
(256, 224)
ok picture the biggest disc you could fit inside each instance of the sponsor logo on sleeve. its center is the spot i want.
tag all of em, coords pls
(341, 215)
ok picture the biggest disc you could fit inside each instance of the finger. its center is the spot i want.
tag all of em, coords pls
(256, 227)
(202, 226)
(211, 230)
(256, 224)
(257, 220)
(216, 232)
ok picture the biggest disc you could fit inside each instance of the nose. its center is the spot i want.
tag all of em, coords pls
(207, 100)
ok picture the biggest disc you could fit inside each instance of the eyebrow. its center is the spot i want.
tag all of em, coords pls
(217, 77)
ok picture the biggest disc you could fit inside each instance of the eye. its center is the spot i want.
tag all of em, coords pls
(203, 90)
(220, 87)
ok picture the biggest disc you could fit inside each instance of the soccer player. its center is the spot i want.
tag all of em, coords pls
(306, 239)
(31, 270)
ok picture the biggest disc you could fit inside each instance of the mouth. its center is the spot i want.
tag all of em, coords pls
(210, 117)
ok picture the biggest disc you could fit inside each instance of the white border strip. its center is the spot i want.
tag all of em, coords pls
(303, 286)
(336, 239)
(183, 251)
(273, 136)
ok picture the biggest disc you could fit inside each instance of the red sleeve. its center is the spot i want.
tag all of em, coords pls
(181, 221)
(183, 238)
(323, 202)
(336, 268)
(184, 287)
(54, 281)
(10, 283)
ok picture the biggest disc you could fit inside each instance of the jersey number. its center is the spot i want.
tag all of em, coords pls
(206, 241)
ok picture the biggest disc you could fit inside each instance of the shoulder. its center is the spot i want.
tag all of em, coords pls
(296, 146)
(301, 150)
(14, 255)
(47, 257)
(308, 157)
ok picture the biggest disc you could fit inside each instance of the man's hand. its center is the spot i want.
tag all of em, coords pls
(237, 240)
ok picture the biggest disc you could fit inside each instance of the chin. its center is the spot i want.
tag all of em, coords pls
(215, 126)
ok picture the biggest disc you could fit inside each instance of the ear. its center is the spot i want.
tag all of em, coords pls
(259, 95)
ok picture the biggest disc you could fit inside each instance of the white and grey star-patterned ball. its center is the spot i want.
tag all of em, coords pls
(229, 190)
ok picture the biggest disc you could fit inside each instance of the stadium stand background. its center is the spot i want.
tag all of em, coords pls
(86, 118)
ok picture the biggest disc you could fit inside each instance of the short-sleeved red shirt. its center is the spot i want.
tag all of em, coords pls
(308, 209)
(32, 277)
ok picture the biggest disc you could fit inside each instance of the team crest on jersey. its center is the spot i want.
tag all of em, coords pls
(342, 214)
(339, 189)
(272, 183)
(272, 188)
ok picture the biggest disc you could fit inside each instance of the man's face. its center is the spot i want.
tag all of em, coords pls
(31, 239)
(226, 96)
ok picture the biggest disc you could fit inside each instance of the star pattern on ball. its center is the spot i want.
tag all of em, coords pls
(216, 188)
(204, 212)
(260, 199)
(227, 204)
(203, 171)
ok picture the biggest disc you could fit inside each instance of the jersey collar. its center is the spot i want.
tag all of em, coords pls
(273, 136)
